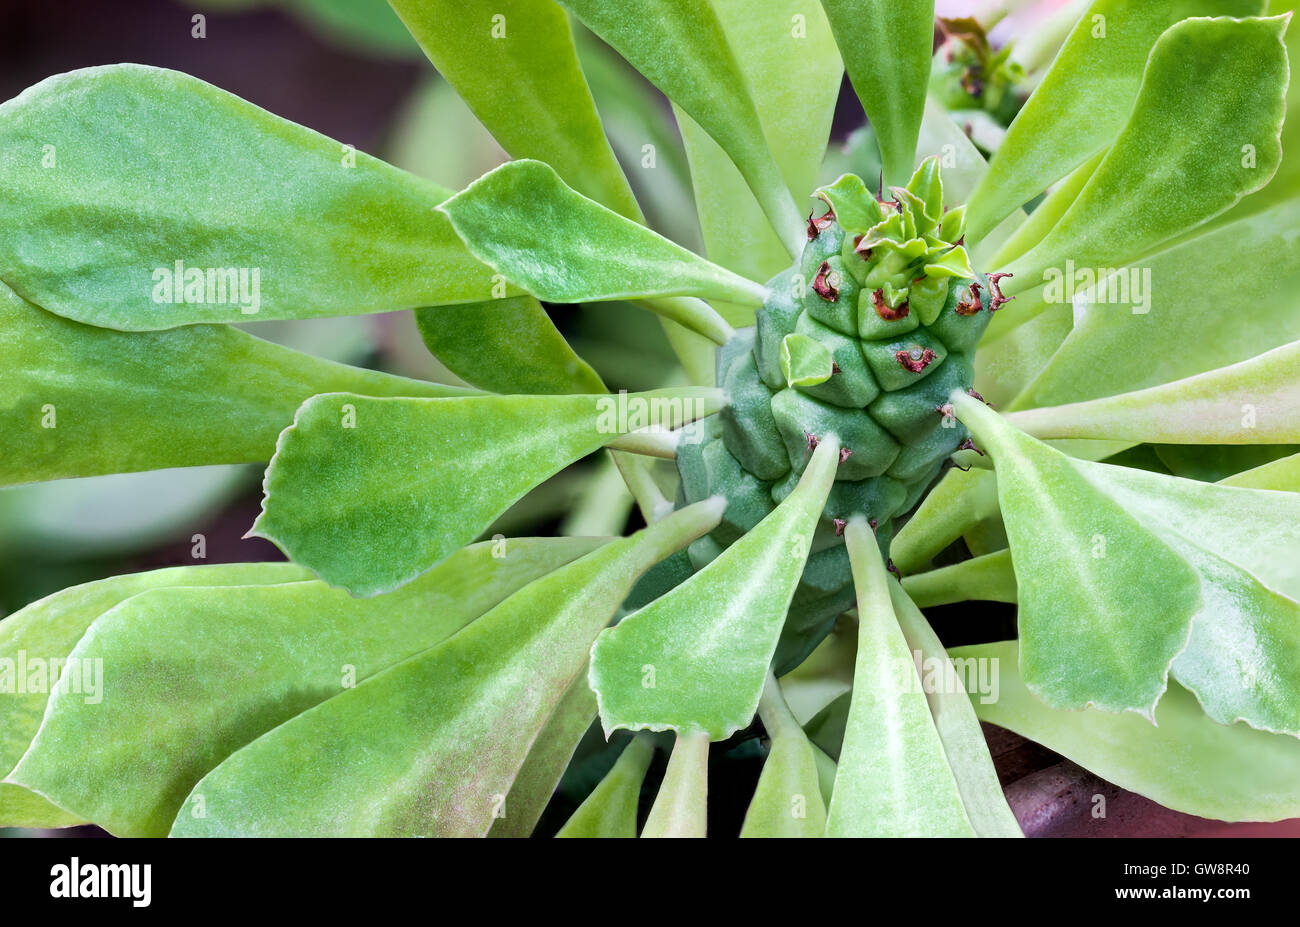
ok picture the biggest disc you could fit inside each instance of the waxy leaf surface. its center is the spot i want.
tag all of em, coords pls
(1184, 761)
(1256, 401)
(695, 658)
(787, 801)
(793, 71)
(431, 746)
(564, 248)
(505, 345)
(120, 175)
(893, 778)
(251, 657)
(1202, 134)
(610, 810)
(47, 630)
(886, 47)
(1123, 574)
(514, 63)
(371, 493)
(1084, 98)
(83, 401)
(680, 46)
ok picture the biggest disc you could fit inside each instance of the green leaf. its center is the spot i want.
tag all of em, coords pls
(128, 761)
(562, 247)
(886, 46)
(82, 401)
(1232, 287)
(1184, 761)
(371, 493)
(610, 810)
(954, 718)
(1256, 401)
(514, 63)
(793, 72)
(507, 346)
(541, 772)
(787, 801)
(432, 745)
(1211, 87)
(1084, 99)
(695, 658)
(48, 630)
(805, 361)
(680, 808)
(1123, 573)
(893, 778)
(680, 46)
(120, 173)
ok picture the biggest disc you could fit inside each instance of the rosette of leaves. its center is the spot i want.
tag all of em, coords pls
(1132, 488)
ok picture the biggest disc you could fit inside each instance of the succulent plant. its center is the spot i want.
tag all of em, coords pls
(1114, 451)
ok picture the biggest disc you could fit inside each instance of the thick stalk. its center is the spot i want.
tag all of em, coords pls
(680, 807)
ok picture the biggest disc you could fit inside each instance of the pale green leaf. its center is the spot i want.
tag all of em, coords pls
(1122, 573)
(707, 644)
(1212, 87)
(552, 750)
(610, 810)
(82, 401)
(886, 47)
(961, 500)
(1283, 474)
(47, 630)
(119, 175)
(959, 730)
(1256, 401)
(1184, 761)
(1084, 99)
(370, 493)
(514, 63)
(893, 778)
(1232, 289)
(562, 247)
(793, 71)
(681, 47)
(431, 746)
(1046, 214)
(128, 760)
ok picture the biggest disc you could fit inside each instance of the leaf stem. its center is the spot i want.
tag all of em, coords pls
(699, 316)
(650, 499)
(680, 807)
(988, 579)
(649, 442)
